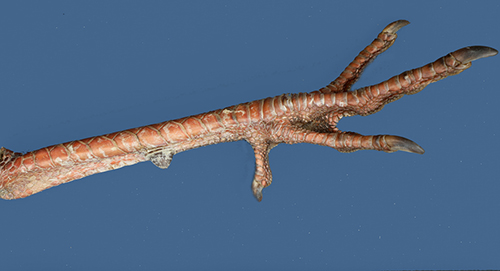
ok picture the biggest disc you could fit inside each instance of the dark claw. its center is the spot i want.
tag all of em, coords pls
(395, 26)
(472, 53)
(397, 143)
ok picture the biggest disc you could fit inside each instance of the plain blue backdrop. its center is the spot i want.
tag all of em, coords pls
(72, 70)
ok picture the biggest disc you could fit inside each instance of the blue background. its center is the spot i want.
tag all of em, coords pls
(73, 70)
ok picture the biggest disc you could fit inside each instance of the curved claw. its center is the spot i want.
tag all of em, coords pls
(471, 53)
(397, 143)
(395, 26)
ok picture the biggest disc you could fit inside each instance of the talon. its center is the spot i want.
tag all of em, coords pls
(257, 190)
(397, 143)
(395, 26)
(471, 53)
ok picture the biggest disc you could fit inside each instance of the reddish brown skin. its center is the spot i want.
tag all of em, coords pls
(288, 118)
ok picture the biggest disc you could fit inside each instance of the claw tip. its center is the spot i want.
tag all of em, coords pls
(471, 53)
(395, 26)
(257, 190)
(397, 143)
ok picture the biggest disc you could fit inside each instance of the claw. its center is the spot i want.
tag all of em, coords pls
(395, 26)
(471, 53)
(397, 143)
(257, 190)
